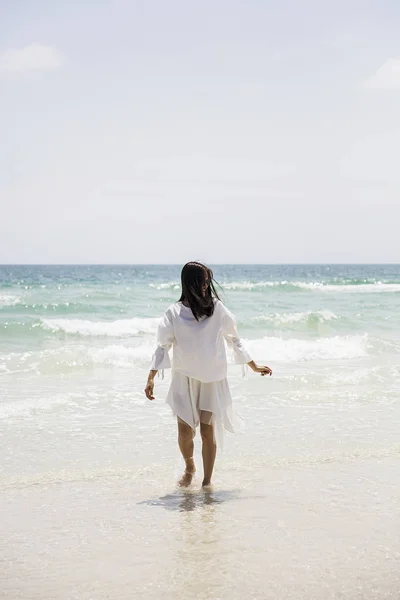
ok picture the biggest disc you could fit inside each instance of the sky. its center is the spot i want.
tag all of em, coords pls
(259, 131)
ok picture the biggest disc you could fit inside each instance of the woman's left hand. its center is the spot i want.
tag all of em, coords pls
(149, 390)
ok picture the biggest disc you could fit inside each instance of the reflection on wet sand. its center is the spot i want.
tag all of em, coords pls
(188, 500)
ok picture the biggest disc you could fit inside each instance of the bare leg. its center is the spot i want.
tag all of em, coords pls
(186, 446)
(209, 450)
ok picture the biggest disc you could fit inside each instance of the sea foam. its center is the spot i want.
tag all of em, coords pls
(9, 300)
(118, 328)
(270, 349)
(313, 286)
(298, 350)
(319, 316)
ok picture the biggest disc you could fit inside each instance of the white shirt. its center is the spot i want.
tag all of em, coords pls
(198, 346)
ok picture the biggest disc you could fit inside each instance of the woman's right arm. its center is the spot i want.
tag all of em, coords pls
(241, 354)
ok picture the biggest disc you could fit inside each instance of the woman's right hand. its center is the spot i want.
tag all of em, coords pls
(264, 370)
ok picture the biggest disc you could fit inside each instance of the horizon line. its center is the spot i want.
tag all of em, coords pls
(173, 264)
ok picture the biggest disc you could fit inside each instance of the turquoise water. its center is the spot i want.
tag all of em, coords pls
(61, 317)
(305, 495)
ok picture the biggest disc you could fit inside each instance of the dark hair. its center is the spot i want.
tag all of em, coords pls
(194, 276)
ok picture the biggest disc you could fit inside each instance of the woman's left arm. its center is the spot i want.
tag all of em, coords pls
(161, 359)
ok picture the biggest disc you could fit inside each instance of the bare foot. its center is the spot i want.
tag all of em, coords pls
(186, 479)
(188, 475)
(206, 484)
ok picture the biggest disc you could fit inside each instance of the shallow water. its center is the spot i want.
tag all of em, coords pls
(305, 502)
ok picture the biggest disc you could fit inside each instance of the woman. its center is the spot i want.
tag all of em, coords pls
(196, 326)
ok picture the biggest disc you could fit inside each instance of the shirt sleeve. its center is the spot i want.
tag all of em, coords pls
(165, 339)
(230, 333)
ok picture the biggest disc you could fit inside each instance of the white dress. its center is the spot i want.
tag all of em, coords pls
(199, 389)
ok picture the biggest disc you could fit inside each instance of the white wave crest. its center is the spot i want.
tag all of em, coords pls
(269, 348)
(315, 286)
(122, 356)
(297, 350)
(119, 328)
(272, 350)
(171, 285)
(78, 356)
(9, 300)
(248, 285)
(319, 316)
(377, 287)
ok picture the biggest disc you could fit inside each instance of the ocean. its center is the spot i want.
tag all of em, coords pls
(306, 501)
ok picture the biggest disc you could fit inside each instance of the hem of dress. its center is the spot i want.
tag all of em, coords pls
(225, 418)
(218, 428)
(187, 374)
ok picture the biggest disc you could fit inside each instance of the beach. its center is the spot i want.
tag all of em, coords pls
(305, 503)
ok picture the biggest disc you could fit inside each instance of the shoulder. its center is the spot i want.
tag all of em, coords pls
(221, 309)
(224, 312)
(173, 310)
(219, 305)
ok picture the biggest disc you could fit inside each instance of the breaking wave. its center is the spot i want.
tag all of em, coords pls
(315, 286)
(271, 349)
(118, 328)
(307, 318)
(9, 300)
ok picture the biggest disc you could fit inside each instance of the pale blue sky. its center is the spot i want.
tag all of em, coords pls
(257, 131)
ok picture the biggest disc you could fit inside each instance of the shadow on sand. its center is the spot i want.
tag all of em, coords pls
(188, 500)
